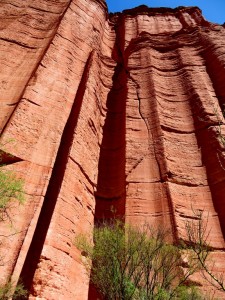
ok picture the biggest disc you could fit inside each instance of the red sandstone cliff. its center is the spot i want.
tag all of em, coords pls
(118, 110)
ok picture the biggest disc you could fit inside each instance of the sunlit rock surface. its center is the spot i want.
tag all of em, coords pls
(109, 114)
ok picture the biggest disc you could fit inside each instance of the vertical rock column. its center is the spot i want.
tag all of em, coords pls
(29, 113)
(45, 126)
(167, 175)
(214, 61)
(69, 202)
(147, 199)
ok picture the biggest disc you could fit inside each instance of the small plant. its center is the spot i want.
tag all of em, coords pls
(9, 291)
(11, 188)
(11, 191)
(197, 236)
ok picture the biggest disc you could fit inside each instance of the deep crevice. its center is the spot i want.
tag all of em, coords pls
(8, 159)
(111, 177)
(111, 184)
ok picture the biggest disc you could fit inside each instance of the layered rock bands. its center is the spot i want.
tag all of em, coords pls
(107, 114)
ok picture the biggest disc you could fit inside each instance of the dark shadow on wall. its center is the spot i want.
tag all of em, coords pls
(110, 194)
(111, 185)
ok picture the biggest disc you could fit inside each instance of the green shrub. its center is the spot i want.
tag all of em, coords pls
(8, 291)
(11, 191)
(135, 264)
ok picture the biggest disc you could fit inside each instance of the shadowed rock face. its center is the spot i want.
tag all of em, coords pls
(117, 114)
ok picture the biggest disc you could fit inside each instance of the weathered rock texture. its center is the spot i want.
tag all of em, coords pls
(121, 110)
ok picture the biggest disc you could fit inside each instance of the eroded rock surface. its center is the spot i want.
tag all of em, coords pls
(109, 114)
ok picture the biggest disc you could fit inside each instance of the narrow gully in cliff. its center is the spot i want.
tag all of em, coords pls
(111, 186)
(110, 194)
(47, 210)
(111, 183)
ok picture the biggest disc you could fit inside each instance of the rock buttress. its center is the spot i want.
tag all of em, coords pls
(118, 114)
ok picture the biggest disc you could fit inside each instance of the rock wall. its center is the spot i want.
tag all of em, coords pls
(108, 114)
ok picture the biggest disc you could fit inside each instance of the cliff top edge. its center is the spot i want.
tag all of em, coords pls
(144, 9)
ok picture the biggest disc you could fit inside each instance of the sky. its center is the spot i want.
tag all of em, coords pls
(213, 10)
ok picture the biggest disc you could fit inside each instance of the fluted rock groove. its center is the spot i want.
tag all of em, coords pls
(110, 114)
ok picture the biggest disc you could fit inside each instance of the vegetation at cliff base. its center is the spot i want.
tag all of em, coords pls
(137, 263)
(9, 291)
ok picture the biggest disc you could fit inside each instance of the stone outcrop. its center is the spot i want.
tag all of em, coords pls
(109, 114)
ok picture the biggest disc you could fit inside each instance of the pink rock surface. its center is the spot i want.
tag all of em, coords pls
(111, 114)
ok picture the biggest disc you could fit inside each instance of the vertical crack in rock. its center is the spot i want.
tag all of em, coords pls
(111, 192)
(149, 113)
(34, 252)
(159, 153)
(111, 183)
(146, 122)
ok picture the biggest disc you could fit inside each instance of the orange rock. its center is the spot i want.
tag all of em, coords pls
(111, 115)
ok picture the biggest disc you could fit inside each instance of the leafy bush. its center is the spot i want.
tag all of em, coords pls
(11, 190)
(8, 291)
(135, 264)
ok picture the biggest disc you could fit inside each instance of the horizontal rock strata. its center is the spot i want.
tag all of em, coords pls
(109, 115)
